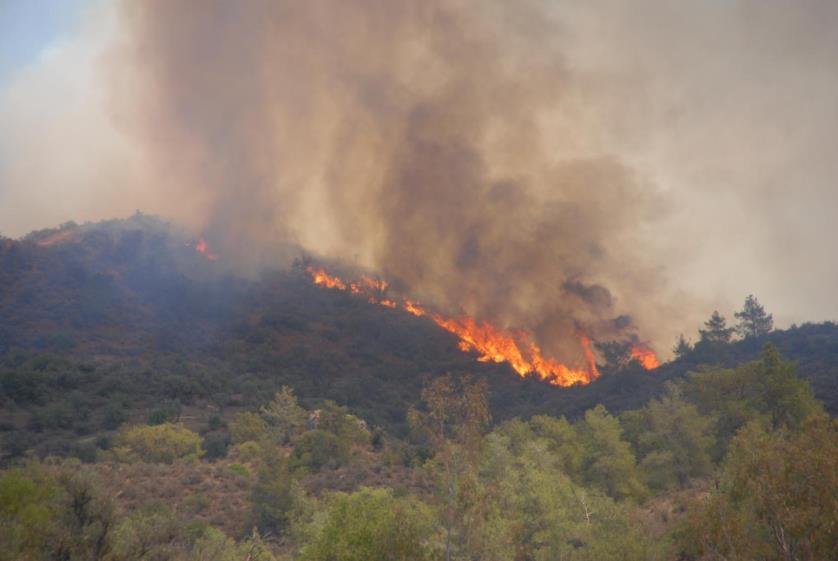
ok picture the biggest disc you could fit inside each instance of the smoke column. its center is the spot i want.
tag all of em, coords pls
(410, 135)
(542, 165)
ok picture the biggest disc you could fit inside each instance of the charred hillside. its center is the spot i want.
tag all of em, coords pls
(120, 320)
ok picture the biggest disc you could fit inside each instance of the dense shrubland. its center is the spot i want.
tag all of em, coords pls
(147, 412)
(726, 464)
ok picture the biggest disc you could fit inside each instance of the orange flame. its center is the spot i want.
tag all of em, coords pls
(322, 278)
(491, 343)
(645, 356)
(413, 308)
(516, 348)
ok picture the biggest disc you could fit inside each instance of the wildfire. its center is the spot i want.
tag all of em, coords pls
(514, 347)
(203, 248)
(645, 356)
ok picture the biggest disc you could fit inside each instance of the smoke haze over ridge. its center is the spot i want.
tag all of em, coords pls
(543, 166)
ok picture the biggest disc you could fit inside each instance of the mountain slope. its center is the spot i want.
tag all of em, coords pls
(104, 322)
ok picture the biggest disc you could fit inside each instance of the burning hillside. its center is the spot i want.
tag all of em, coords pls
(512, 346)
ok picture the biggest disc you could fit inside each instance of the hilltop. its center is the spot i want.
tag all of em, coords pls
(101, 323)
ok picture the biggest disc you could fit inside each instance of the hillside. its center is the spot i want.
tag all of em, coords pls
(102, 323)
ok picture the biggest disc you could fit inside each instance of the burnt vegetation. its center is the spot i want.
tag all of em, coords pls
(154, 401)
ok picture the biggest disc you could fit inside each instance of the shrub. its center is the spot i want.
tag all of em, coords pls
(370, 524)
(216, 445)
(247, 426)
(316, 449)
(239, 469)
(246, 451)
(157, 444)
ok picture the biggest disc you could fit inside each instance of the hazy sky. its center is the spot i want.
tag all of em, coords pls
(723, 114)
(27, 27)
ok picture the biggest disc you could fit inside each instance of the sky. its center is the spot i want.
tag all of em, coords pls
(27, 27)
(683, 152)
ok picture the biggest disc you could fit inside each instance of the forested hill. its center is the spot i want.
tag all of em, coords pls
(116, 321)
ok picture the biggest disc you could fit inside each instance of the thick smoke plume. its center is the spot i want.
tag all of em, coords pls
(409, 136)
(546, 165)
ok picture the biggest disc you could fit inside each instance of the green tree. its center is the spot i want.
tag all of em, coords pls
(273, 497)
(784, 397)
(247, 426)
(777, 500)
(370, 525)
(283, 415)
(753, 321)
(608, 462)
(337, 420)
(213, 545)
(716, 329)
(168, 411)
(527, 508)
(617, 354)
(453, 420)
(27, 508)
(317, 449)
(768, 388)
(682, 346)
(673, 438)
(163, 443)
(563, 440)
(53, 512)
(152, 533)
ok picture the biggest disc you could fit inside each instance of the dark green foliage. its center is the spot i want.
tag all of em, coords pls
(173, 326)
(370, 525)
(607, 461)
(216, 444)
(753, 321)
(716, 329)
(673, 440)
(215, 423)
(617, 354)
(317, 449)
(167, 412)
(545, 488)
(777, 499)
(273, 496)
(682, 347)
(767, 388)
(53, 513)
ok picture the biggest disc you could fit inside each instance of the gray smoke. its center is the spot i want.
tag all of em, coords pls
(409, 134)
(551, 166)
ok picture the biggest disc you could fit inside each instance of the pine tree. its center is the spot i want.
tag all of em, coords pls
(717, 330)
(753, 321)
(682, 346)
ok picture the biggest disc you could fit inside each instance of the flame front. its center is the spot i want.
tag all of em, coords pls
(491, 343)
(645, 356)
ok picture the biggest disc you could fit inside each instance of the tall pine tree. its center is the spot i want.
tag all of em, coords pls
(753, 321)
(716, 329)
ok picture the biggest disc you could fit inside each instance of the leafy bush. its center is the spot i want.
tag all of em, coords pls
(370, 525)
(157, 444)
(239, 469)
(247, 426)
(316, 449)
(216, 445)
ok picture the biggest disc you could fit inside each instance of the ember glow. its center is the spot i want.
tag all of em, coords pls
(491, 343)
(645, 356)
(203, 248)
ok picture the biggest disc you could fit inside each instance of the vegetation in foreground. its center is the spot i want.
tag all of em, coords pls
(726, 464)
